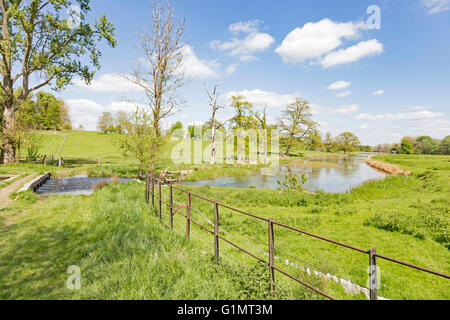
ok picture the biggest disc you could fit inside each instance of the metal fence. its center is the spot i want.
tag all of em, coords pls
(153, 183)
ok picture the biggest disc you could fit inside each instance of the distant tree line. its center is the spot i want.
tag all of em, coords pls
(113, 123)
(418, 145)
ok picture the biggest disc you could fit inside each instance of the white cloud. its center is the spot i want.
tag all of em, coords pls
(252, 43)
(86, 112)
(108, 83)
(344, 110)
(378, 93)
(421, 115)
(419, 108)
(259, 98)
(316, 39)
(339, 85)
(353, 53)
(194, 68)
(344, 94)
(231, 69)
(364, 126)
(436, 6)
(245, 27)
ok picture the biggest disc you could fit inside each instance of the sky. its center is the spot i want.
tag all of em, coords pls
(379, 68)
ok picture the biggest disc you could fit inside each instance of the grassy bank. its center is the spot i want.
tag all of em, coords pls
(404, 217)
(123, 252)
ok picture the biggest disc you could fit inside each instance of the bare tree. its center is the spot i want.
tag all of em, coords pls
(213, 97)
(159, 72)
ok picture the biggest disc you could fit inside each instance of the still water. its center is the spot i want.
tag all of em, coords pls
(327, 173)
(78, 185)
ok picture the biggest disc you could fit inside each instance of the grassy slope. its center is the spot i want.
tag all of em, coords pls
(123, 251)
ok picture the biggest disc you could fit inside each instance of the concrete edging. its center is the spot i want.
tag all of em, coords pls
(34, 184)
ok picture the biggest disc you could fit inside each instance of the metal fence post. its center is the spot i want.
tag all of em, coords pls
(373, 273)
(147, 188)
(216, 231)
(188, 216)
(171, 207)
(271, 257)
(160, 195)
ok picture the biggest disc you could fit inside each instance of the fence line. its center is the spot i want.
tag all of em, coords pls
(152, 182)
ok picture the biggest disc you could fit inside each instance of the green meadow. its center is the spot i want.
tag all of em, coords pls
(404, 217)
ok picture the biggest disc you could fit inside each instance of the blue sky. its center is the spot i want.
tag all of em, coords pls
(380, 84)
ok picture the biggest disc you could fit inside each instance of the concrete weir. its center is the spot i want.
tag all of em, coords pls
(34, 184)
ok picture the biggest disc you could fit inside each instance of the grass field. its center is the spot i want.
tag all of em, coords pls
(403, 217)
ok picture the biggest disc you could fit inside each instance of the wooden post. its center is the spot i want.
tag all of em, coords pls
(171, 206)
(373, 274)
(271, 258)
(160, 195)
(216, 231)
(153, 190)
(98, 161)
(147, 188)
(45, 160)
(188, 216)
(60, 162)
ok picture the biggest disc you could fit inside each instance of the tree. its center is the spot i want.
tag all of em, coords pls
(406, 147)
(244, 118)
(120, 121)
(176, 130)
(37, 40)
(158, 73)
(141, 142)
(328, 142)
(296, 123)
(444, 147)
(426, 145)
(348, 142)
(215, 125)
(106, 122)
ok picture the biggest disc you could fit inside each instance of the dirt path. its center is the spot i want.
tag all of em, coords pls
(5, 192)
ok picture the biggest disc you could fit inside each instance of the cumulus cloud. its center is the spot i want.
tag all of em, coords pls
(436, 6)
(339, 85)
(253, 42)
(419, 108)
(194, 68)
(344, 110)
(260, 98)
(245, 26)
(344, 94)
(107, 83)
(378, 93)
(316, 39)
(420, 115)
(354, 53)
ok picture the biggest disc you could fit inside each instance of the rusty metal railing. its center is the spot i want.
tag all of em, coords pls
(152, 182)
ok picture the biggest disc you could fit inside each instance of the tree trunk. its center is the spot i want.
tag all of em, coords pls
(7, 150)
(213, 144)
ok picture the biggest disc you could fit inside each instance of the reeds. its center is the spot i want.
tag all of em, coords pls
(387, 168)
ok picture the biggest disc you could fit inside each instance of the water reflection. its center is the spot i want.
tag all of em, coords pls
(330, 174)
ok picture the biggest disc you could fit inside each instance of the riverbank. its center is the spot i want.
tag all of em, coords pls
(387, 168)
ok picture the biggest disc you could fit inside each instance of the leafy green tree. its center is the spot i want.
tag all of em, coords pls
(106, 122)
(141, 141)
(329, 142)
(296, 123)
(406, 147)
(244, 118)
(426, 145)
(347, 142)
(176, 130)
(37, 39)
(444, 147)
(121, 121)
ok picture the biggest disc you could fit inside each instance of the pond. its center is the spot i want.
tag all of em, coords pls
(328, 173)
(77, 185)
